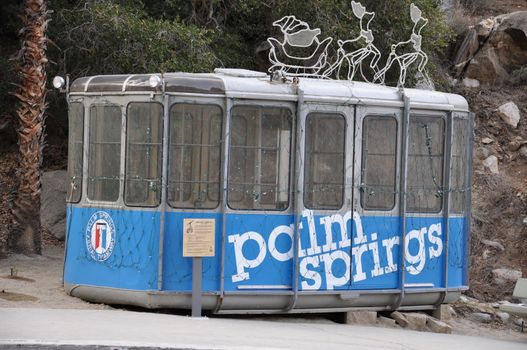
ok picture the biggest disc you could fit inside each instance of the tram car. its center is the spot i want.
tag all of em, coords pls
(315, 195)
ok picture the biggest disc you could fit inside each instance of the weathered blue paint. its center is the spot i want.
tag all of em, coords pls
(336, 252)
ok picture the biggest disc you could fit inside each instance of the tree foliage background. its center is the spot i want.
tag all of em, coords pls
(90, 37)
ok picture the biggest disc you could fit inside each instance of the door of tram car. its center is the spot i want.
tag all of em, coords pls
(325, 207)
(258, 206)
(376, 249)
(193, 153)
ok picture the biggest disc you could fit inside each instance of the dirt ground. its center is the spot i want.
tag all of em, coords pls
(37, 283)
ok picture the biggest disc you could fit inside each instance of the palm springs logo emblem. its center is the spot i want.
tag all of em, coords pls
(100, 236)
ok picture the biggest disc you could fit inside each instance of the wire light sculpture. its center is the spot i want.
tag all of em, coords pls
(286, 59)
(354, 58)
(297, 36)
(405, 60)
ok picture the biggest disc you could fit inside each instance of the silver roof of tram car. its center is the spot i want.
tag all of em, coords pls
(240, 83)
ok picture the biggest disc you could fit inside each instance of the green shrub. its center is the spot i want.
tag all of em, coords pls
(104, 37)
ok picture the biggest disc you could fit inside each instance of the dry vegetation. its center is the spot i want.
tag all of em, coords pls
(499, 201)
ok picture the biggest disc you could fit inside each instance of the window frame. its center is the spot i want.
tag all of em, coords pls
(83, 144)
(344, 159)
(97, 103)
(363, 156)
(434, 114)
(466, 146)
(292, 140)
(221, 162)
(160, 200)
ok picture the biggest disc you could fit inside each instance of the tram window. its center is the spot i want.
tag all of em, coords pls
(379, 143)
(144, 134)
(458, 175)
(324, 161)
(425, 164)
(259, 158)
(75, 151)
(104, 153)
(195, 154)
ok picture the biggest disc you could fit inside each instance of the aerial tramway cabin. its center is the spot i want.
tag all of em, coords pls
(319, 195)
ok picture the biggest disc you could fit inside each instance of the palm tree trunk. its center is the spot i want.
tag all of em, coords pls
(27, 234)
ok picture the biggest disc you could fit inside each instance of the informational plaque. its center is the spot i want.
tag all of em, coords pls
(198, 237)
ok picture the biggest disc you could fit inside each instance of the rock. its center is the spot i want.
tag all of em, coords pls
(399, 318)
(468, 48)
(485, 27)
(525, 221)
(485, 66)
(510, 113)
(53, 202)
(503, 316)
(480, 317)
(416, 321)
(493, 244)
(481, 153)
(523, 151)
(519, 322)
(471, 83)
(444, 312)
(502, 276)
(493, 48)
(361, 317)
(388, 322)
(491, 163)
(487, 141)
(515, 145)
(437, 326)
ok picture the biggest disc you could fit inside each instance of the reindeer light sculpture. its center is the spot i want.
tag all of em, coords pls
(354, 58)
(405, 60)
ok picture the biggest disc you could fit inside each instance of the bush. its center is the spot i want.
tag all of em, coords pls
(104, 37)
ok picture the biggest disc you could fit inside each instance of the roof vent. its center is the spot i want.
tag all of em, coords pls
(240, 73)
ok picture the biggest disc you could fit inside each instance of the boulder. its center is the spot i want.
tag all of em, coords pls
(444, 312)
(387, 322)
(416, 321)
(502, 276)
(516, 143)
(471, 83)
(491, 163)
(468, 48)
(437, 326)
(523, 151)
(487, 140)
(480, 317)
(493, 48)
(510, 113)
(361, 317)
(503, 316)
(53, 202)
(493, 244)
(481, 153)
(399, 318)
(519, 322)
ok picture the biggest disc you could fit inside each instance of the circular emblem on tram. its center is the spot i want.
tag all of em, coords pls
(100, 236)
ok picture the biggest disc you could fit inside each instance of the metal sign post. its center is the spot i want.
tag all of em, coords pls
(196, 286)
(198, 242)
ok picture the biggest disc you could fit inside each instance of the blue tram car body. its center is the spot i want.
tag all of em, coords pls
(323, 195)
